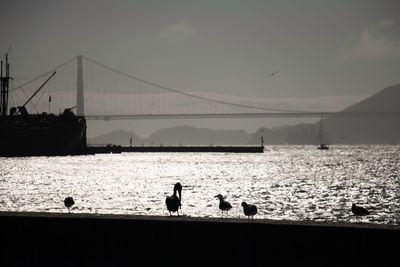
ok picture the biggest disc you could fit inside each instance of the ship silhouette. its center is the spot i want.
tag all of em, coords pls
(24, 134)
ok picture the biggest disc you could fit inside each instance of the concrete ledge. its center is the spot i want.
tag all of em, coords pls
(53, 239)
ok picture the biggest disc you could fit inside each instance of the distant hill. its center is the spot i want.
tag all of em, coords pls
(299, 134)
(368, 130)
(359, 130)
(187, 135)
(182, 135)
(119, 137)
(274, 136)
(386, 100)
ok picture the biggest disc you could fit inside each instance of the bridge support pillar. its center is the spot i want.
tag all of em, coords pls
(79, 88)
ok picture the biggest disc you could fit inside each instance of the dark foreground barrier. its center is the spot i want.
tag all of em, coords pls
(45, 239)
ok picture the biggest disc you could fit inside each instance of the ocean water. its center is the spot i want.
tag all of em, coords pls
(285, 182)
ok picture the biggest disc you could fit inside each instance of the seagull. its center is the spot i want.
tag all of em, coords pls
(174, 202)
(69, 202)
(273, 73)
(249, 210)
(223, 204)
(358, 210)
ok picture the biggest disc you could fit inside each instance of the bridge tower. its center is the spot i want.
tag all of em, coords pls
(79, 88)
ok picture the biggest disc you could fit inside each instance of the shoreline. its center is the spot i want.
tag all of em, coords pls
(76, 239)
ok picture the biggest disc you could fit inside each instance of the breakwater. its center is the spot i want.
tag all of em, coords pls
(51, 239)
(223, 149)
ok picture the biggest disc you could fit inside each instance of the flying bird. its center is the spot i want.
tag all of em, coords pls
(69, 202)
(249, 210)
(358, 210)
(273, 73)
(223, 204)
(174, 202)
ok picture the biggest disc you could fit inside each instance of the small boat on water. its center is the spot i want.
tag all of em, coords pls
(322, 146)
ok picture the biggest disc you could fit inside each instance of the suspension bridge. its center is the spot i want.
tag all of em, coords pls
(100, 92)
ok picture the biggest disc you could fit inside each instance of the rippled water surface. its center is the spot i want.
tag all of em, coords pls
(285, 182)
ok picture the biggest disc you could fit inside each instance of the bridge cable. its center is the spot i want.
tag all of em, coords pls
(188, 94)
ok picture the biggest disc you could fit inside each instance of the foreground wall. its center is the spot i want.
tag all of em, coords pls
(89, 240)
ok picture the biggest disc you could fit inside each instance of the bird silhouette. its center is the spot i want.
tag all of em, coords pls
(223, 204)
(174, 202)
(69, 202)
(358, 210)
(249, 210)
(273, 73)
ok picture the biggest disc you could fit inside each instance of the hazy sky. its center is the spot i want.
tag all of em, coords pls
(320, 48)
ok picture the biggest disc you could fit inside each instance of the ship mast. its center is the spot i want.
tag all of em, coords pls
(27, 101)
(4, 85)
(320, 131)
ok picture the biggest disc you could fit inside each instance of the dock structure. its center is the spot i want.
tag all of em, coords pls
(223, 149)
(71, 239)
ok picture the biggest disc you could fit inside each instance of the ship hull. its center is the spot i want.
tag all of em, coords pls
(42, 135)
